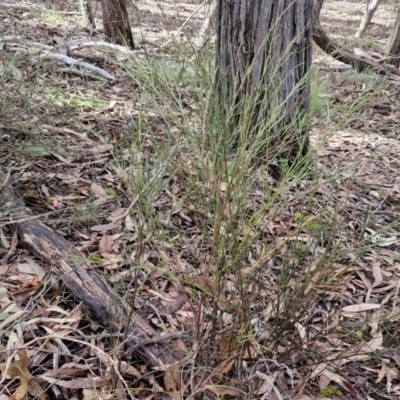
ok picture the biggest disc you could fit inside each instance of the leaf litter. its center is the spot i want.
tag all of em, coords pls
(70, 181)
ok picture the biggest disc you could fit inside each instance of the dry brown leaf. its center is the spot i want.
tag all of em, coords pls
(373, 345)
(19, 369)
(356, 308)
(129, 369)
(66, 371)
(107, 241)
(381, 373)
(98, 190)
(228, 345)
(324, 381)
(224, 390)
(335, 378)
(91, 394)
(334, 323)
(129, 225)
(105, 227)
(209, 286)
(377, 273)
(172, 382)
(396, 358)
(227, 368)
(80, 383)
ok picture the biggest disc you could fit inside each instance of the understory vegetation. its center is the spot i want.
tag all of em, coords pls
(272, 288)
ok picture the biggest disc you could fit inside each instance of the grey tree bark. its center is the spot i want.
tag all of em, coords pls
(87, 14)
(318, 7)
(394, 42)
(372, 6)
(263, 53)
(117, 28)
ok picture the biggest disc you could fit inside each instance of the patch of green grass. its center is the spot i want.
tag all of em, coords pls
(52, 16)
(330, 392)
(232, 204)
(86, 213)
(79, 101)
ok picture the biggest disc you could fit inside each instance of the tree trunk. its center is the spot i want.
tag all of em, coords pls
(318, 8)
(394, 42)
(87, 14)
(372, 6)
(117, 28)
(263, 55)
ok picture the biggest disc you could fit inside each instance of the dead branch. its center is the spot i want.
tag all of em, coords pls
(78, 44)
(358, 62)
(80, 63)
(317, 8)
(22, 6)
(372, 6)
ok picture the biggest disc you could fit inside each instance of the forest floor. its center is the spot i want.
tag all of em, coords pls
(312, 312)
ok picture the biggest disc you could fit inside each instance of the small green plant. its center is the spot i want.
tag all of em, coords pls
(86, 213)
(75, 100)
(96, 258)
(330, 392)
(52, 16)
(111, 192)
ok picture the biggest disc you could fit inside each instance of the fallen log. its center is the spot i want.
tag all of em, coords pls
(71, 267)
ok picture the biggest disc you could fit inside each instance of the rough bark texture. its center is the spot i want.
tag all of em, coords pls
(318, 8)
(372, 6)
(78, 276)
(87, 14)
(264, 51)
(394, 42)
(117, 28)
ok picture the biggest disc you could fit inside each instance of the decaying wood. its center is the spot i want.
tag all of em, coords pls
(22, 6)
(54, 53)
(358, 62)
(76, 273)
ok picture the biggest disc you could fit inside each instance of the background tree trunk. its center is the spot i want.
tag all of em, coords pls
(394, 42)
(263, 53)
(318, 8)
(87, 14)
(117, 28)
(372, 6)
